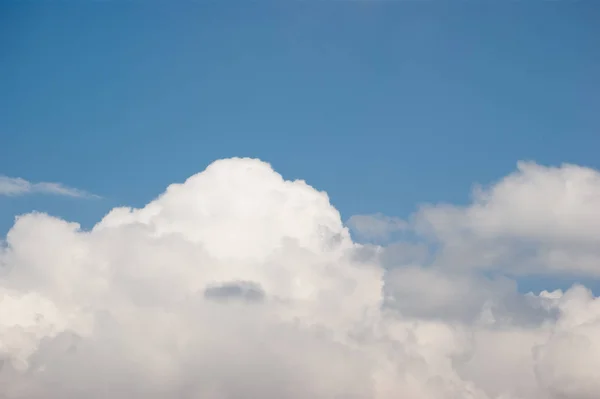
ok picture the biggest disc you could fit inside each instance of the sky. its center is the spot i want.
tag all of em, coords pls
(385, 105)
(337, 176)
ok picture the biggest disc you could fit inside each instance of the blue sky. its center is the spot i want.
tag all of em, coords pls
(385, 105)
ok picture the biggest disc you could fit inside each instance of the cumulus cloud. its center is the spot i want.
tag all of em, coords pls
(536, 220)
(14, 186)
(240, 284)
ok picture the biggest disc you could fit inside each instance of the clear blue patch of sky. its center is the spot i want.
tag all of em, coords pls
(384, 105)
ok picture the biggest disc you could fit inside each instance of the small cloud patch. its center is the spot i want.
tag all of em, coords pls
(247, 291)
(16, 186)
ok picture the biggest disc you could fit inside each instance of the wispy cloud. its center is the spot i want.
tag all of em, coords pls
(375, 226)
(15, 186)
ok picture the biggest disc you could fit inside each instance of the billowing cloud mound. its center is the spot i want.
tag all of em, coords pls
(537, 219)
(239, 284)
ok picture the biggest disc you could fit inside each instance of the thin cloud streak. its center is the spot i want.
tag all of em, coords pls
(16, 186)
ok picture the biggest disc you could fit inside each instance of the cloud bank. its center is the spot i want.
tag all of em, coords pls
(14, 186)
(240, 284)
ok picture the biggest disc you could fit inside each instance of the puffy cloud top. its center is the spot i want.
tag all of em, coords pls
(537, 219)
(238, 283)
(239, 208)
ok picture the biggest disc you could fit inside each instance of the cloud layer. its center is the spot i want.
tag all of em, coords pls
(14, 186)
(240, 284)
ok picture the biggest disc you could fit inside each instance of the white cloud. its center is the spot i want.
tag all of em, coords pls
(240, 284)
(14, 186)
(538, 219)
